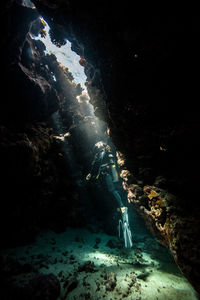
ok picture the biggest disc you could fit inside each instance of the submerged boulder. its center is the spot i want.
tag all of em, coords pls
(22, 281)
(44, 287)
(39, 287)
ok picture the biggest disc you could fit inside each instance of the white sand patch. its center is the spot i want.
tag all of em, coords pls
(138, 275)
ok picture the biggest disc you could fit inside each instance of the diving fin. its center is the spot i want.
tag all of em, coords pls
(125, 229)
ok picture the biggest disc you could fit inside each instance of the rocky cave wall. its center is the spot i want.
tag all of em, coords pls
(38, 190)
(142, 80)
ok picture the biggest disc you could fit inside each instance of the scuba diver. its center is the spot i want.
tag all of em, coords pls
(104, 166)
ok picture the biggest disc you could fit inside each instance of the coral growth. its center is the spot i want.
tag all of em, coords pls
(111, 281)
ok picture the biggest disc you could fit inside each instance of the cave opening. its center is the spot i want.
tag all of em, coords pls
(77, 253)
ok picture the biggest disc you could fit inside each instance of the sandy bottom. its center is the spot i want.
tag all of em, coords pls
(88, 268)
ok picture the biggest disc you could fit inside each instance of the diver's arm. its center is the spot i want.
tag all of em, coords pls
(96, 166)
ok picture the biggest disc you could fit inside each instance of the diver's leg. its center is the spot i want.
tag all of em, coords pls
(124, 211)
(118, 198)
(112, 189)
(109, 183)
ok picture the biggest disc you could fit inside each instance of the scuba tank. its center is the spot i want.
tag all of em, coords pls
(114, 173)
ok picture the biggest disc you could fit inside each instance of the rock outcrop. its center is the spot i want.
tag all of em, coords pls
(24, 282)
(37, 191)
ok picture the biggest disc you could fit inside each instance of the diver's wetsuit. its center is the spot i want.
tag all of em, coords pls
(103, 164)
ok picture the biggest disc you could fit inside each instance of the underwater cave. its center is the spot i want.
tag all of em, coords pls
(99, 127)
